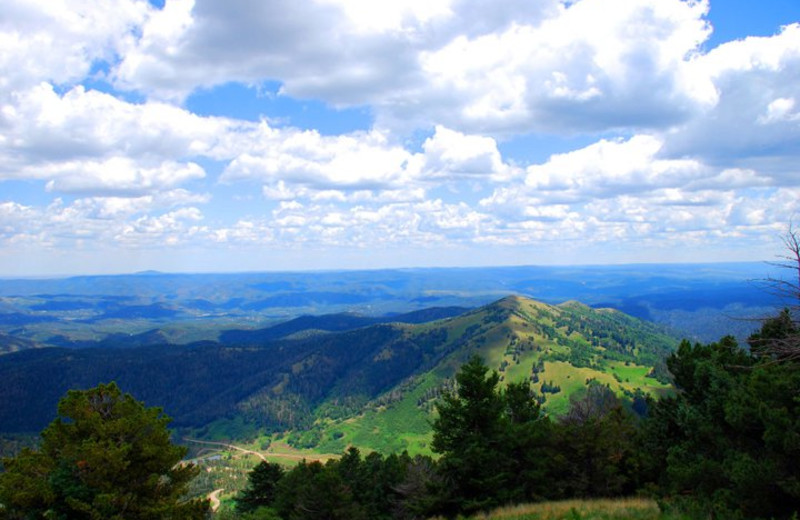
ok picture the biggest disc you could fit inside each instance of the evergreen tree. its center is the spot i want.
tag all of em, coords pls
(494, 444)
(104, 456)
(262, 483)
(468, 435)
(527, 446)
(594, 452)
(732, 433)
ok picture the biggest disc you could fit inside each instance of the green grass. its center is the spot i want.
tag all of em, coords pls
(572, 379)
(402, 425)
(602, 509)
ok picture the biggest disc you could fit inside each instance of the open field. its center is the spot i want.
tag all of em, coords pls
(603, 509)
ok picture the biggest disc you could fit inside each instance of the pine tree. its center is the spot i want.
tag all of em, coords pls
(468, 435)
(104, 456)
(261, 487)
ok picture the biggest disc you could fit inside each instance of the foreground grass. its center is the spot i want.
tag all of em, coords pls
(606, 509)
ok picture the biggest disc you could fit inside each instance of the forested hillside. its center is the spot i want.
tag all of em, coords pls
(334, 387)
(724, 446)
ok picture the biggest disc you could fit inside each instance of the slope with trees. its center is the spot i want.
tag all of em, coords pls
(338, 388)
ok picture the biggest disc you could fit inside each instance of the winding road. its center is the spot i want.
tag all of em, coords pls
(229, 446)
(214, 498)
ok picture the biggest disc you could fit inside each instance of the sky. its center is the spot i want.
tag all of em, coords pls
(262, 135)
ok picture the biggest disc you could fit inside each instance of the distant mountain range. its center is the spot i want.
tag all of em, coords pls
(698, 301)
(341, 379)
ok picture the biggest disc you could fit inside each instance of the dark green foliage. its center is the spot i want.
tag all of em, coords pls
(351, 488)
(778, 339)
(307, 372)
(730, 440)
(549, 388)
(105, 456)
(492, 444)
(622, 337)
(727, 445)
(261, 487)
(290, 385)
(594, 454)
(468, 435)
(526, 442)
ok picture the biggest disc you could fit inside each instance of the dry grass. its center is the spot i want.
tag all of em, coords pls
(605, 509)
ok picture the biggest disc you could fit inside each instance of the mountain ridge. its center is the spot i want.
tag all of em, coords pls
(331, 388)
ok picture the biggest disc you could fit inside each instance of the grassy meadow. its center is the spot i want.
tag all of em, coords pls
(602, 509)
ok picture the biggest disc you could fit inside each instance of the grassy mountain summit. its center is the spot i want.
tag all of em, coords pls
(372, 385)
(559, 349)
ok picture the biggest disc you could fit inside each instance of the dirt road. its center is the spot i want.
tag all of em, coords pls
(229, 446)
(214, 498)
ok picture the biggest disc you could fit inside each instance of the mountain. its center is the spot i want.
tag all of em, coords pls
(14, 344)
(333, 323)
(372, 386)
(701, 301)
(559, 349)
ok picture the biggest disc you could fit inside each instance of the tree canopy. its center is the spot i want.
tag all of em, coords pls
(729, 441)
(490, 441)
(105, 456)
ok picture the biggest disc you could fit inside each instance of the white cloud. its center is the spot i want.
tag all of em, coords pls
(608, 168)
(362, 165)
(471, 66)
(118, 176)
(40, 125)
(687, 146)
(282, 191)
(363, 160)
(450, 154)
(12, 218)
(120, 208)
(60, 40)
(781, 109)
(754, 123)
(596, 65)
(374, 17)
(418, 224)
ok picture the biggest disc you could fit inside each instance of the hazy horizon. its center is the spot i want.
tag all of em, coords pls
(646, 265)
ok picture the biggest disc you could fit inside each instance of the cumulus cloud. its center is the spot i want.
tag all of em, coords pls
(683, 143)
(363, 160)
(594, 65)
(169, 229)
(283, 191)
(471, 66)
(115, 208)
(60, 41)
(454, 155)
(118, 176)
(107, 221)
(611, 167)
(41, 125)
(89, 142)
(754, 122)
(602, 170)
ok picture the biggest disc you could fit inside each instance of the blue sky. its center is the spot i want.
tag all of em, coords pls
(322, 134)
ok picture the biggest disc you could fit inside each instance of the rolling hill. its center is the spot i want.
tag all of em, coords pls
(373, 386)
(701, 301)
(559, 349)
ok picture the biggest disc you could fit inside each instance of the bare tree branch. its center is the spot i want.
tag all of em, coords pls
(782, 341)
